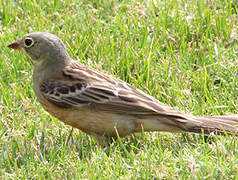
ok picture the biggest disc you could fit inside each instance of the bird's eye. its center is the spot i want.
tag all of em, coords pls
(28, 42)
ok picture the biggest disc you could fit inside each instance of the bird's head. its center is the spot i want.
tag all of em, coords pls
(41, 47)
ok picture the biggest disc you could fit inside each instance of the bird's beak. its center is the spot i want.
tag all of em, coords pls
(16, 45)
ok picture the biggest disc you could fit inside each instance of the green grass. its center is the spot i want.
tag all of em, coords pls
(184, 53)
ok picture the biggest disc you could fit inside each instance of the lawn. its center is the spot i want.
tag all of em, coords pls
(184, 53)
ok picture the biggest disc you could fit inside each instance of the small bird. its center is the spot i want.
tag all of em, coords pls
(100, 105)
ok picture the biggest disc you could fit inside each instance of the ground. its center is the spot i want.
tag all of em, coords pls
(184, 53)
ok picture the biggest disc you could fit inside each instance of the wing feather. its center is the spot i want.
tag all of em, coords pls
(73, 95)
(85, 87)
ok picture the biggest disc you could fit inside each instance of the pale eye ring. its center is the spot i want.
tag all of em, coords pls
(28, 42)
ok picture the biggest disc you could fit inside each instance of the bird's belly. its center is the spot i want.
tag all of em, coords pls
(93, 122)
(100, 123)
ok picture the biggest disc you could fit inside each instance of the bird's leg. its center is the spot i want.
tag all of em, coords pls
(103, 141)
(70, 138)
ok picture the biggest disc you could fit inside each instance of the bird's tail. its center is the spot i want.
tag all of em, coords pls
(214, 124)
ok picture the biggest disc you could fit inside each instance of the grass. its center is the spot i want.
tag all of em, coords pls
(184, 53)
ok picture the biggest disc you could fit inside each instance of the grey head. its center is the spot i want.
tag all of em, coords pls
(43, 48)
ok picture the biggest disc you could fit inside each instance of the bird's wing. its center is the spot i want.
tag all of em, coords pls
(84, 87)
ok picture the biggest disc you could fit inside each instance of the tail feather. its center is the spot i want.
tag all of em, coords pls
(214, 124)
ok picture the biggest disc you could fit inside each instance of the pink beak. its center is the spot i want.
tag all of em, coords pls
(16, 45)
